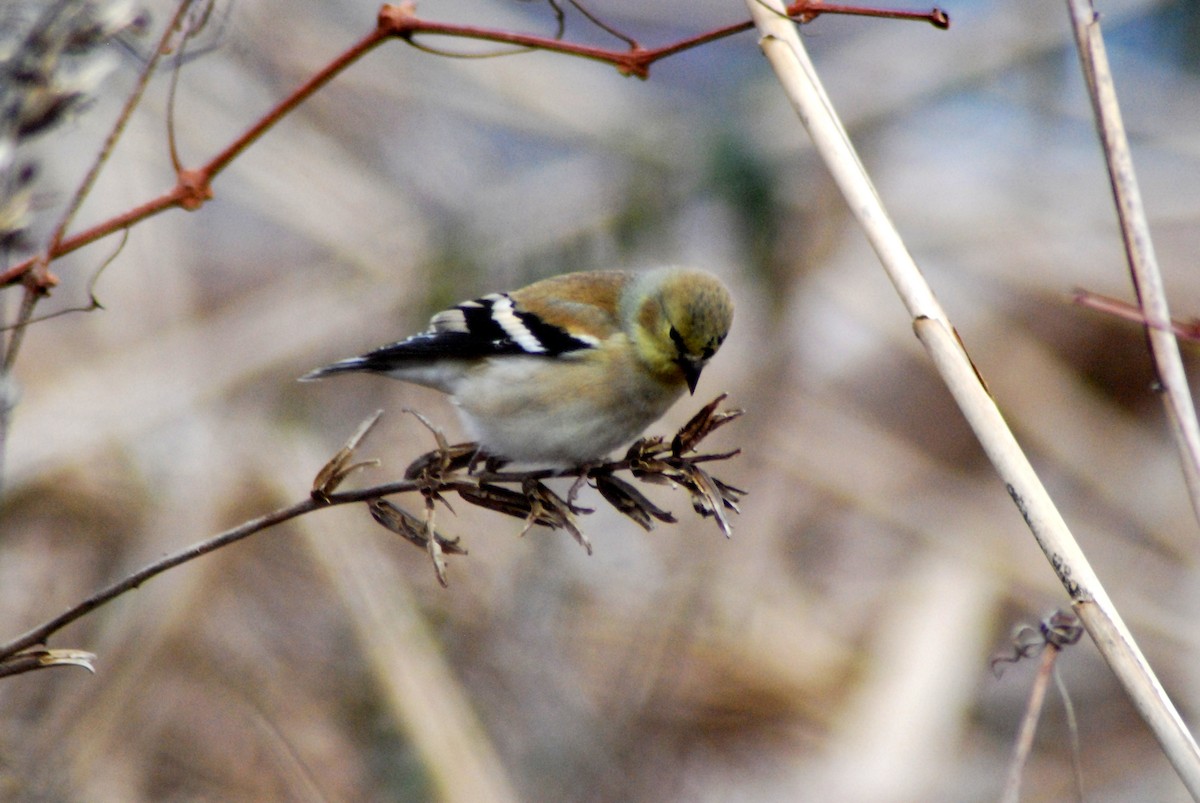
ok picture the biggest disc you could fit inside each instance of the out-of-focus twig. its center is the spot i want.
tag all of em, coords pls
(110, 142)
(1058, 631)
(39, 279)
(785, 51)
(1139, 246)
(1188, 329)
(46, 49)
(1033, 711)
(193, 187)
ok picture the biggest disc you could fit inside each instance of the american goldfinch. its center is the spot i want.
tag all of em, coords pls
(566, 370)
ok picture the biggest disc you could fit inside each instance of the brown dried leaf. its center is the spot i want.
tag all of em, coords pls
(436, 555)
(69, 658)
(730, 494)
(30, 660)
(438, 436)
(645, 449)
(417, 532)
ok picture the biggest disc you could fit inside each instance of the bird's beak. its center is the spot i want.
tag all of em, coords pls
(691, 372)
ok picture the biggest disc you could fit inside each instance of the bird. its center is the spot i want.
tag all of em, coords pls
(565, 370)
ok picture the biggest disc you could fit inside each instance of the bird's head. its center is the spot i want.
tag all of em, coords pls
(681, 318)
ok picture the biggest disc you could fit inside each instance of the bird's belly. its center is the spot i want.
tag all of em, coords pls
(570, 420)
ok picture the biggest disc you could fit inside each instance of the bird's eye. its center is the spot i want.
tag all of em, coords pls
(677, 339)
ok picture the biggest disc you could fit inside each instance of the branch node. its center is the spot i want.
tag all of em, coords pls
(194, 189)
(636, 63)
(396, 19)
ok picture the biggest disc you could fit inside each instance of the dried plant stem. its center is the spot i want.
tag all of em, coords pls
(782, 46)
(1033, 711)
(1186, 329)
(1139, 247)
(432, 475)
(39, 634)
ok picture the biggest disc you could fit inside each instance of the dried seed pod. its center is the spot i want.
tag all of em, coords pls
(547, 504)
(630, 501)
(701, 425)
(501, 500)
(439, 462)
(334, 472)
(411, 528)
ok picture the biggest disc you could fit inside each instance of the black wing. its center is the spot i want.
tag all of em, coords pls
(486, 327)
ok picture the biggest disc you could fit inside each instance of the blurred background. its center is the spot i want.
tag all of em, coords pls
(836, 648)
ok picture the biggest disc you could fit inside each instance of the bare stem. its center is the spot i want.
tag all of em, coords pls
(1188, 330)
(39, 634)
(432, 475)
(1033, 711)
(786, 53)
(118, 128)
(1139, 247)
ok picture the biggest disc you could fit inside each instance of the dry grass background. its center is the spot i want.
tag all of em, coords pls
(835, 649)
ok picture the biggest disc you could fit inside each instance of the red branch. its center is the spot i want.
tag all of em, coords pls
(1188, 330)
(194, 186)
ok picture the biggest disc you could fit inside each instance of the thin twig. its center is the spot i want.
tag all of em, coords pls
(1188, 330)
(193, 188)
(37, 277)
(110, 142)
(307, 89)
(1139, 246)
(403, 23)
(785, 51)
(39, 634)
(1072, 733)
(1033, 711)
(432, 475)
(93, 300)
(602, 25)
